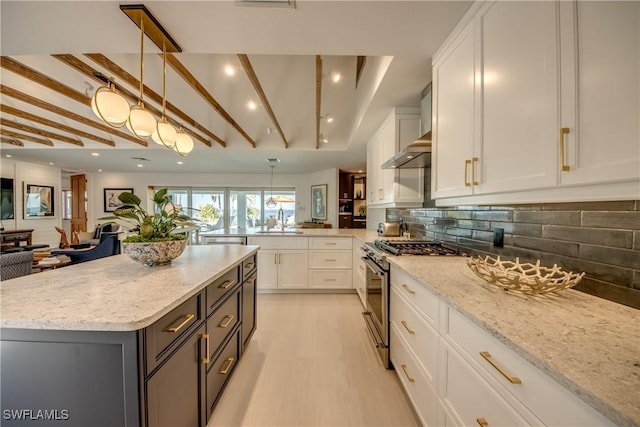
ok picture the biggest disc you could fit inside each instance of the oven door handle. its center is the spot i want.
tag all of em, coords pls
(373, 332)
(373, 266)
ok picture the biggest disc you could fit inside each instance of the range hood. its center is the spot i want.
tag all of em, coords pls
(414, 156)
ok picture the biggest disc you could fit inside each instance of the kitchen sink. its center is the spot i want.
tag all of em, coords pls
(279, 232)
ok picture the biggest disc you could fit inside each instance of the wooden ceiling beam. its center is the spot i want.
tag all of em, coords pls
(33, 118)
(12, 134)
(37, 77)
(21, 96)
(12, 141)
(253, 78)
(46, 134)
(88, 71)
(318, 97)
(183, 72)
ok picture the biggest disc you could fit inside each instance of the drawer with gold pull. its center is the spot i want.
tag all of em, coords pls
(248, 266)
(220, 370)
(223, 320)
(161, 336)
(219, 287)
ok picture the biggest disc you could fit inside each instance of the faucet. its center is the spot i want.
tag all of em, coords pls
(281, 218)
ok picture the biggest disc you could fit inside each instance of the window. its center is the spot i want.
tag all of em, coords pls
(66, 204)
(237, 208)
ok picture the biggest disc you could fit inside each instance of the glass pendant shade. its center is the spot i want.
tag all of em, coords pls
(184, 143)
(271, 202)
(141, 122)
(110, 106)
(164, 134)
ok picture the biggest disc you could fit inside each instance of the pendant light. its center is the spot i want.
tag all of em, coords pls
(141, 122)
(165, 134)
(184, 143)
(271, 202)
(110, 106)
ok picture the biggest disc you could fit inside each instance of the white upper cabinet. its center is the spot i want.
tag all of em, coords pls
(601, 91)
(453, 105)
(519, 97)
(388, 187)
(539, 102)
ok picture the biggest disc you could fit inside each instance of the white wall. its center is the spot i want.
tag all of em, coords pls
(28, 173)
(97, 182)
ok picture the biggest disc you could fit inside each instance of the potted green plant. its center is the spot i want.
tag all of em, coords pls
(156, 242)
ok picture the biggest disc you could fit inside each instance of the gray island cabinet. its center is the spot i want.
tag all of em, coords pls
(114, 343)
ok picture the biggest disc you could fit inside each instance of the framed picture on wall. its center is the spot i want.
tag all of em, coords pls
(39, 201)
(111, 201)
(319, 202)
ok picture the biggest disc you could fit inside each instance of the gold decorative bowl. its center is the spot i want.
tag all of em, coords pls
(527, 278)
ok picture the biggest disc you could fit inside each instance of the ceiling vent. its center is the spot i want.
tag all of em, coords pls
(267, 3)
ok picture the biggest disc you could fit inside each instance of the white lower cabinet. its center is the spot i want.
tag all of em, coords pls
(457, 374)
(470, 400)
(359, 271)
(330, 262)
(296, 262)
(283, 262)
(413, 378)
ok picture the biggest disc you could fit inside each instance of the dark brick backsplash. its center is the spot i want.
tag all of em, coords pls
(604, 219)
(601, 239)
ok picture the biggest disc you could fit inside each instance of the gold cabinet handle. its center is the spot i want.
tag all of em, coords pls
(482, 422)
(250, 265)
(467, 163)
(486, 356)
(329, 280)
(330, 259)
(404, 368)
(186, 319)
(227, 284)
(406, 326)
(275, 258)
(330, 243)
(409, 290)
(563, 166)
(227, 368)
(205, 360)
(474, 162)
(380, 193)
(226, 324)
(279, 258)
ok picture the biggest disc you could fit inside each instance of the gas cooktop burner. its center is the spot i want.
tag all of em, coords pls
(417, 247)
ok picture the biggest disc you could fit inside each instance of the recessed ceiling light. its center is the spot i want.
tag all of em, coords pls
(229, 70)
(95, 154)
(329, 119)
(179, 162)
(336, 77)
(273, 160)
(140, 165)
(360, 170)
(50, 163)
(409, 157)
(9, 155)
(99, 170)
(251, 105)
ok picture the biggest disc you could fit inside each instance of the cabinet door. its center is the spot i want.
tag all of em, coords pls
(373, 169)
(388, 150)
(267, 269)
(248, 309)
(175, 391)
(601, 91)
(453, 130)
(518, 147)
(293, 269)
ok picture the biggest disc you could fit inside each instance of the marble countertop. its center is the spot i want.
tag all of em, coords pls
(113, 293)
(589, 345)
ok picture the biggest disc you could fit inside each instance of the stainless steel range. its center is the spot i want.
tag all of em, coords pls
(378, 283)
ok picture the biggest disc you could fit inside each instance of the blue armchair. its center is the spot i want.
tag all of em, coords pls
(109, 245)
(15, 264)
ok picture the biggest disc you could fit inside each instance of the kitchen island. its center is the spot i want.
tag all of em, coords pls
(582, 344)
(115, 342)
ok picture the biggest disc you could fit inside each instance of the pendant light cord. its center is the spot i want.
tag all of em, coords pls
(164, 78)
(141, 59)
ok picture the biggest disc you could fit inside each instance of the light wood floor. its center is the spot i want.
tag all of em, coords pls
(311, 363)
